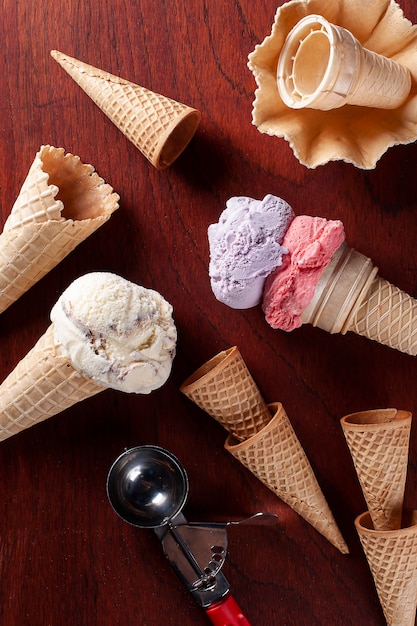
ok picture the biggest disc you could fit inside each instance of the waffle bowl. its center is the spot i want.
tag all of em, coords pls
(355, 134)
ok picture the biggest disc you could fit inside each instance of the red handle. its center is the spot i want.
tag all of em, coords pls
(227, 613)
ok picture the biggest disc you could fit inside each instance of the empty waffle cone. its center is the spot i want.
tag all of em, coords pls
(276, 457)
(379, 442)
(350, 296)
(224, 388)
(323, 66)
(42, 384)
(61, 203)
(392, 558)
(158, 126)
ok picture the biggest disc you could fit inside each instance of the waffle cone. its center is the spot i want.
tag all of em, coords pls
(323, 66)
(42, 384)
(387, 315)
(61, 203)
(378, 441)
(158, 126)
(276, 457)
(350, 296)
(392, 558)
(224, 388)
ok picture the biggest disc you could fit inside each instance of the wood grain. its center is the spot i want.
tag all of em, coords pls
(65, 557)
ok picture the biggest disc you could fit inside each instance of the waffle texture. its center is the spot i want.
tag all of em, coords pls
(276, 457)
(387, 315)
(224, 388)
(350, 296)
(378, 441)
(392, 558)
(381, 81)
(42, 384)
(157, 125)
(261, 437)
(42, 229)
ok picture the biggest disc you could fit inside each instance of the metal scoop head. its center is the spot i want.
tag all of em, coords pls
(147, 486)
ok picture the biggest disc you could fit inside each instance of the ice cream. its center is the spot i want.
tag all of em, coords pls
(311, 243)
(245, 247)
(105, 332)
(319, 279)
(116, 332)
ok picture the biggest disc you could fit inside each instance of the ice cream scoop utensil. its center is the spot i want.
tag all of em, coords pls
(148, 487)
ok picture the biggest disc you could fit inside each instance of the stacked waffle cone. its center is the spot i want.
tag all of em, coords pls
(61, 202)
(379, 443)
(158, 126)
(350, 296)
(261, 438)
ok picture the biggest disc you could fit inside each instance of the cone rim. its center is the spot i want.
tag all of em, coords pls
(364, 525)
(209, 369)
(376, 419)
(177, 138)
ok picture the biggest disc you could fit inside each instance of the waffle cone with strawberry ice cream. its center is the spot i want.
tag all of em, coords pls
(345, 293)
(314, 276)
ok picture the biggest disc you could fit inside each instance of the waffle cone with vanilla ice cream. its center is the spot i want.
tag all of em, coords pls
(158, 126)
(105, 332)
(261, 437)
(61, 202)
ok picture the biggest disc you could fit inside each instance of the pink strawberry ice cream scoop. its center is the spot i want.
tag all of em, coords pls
(245, 247)
(311, 243)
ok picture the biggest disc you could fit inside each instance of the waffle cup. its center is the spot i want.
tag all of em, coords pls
(61, 203)
(224, 388)
(378, 441)
(276, 457)
(323, 66)
(158, 126)
(42, 384)
(350, 296)
(392, 558)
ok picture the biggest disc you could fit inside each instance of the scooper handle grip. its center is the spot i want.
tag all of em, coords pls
(227, 613)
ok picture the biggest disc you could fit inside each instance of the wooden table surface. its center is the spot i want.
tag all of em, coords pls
(65, 557)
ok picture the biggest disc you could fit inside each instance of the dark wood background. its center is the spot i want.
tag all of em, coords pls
(65, 557)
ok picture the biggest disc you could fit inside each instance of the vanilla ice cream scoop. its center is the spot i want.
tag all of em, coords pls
(118, 333)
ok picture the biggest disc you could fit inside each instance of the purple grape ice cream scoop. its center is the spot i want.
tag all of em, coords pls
(245, 247)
